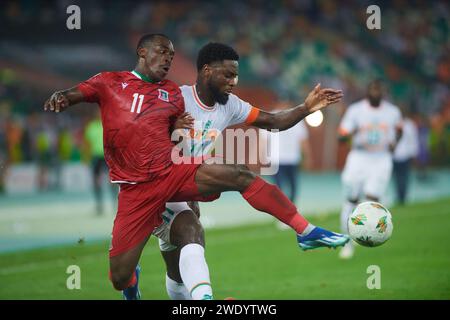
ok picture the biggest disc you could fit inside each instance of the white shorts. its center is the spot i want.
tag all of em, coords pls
(366, 174)
(163, 231)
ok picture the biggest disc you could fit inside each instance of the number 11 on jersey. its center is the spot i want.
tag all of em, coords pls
(137, 96)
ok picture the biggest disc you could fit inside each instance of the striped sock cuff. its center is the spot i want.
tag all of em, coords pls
(198, 285)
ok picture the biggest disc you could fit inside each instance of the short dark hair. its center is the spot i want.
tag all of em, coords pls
(149, 38)
(213, 52)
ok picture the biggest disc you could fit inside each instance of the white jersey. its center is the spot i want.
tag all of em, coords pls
(408, 146)
(211, 121)
(374, 127)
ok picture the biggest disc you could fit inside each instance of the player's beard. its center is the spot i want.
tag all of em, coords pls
(374, 102)
(220, 97)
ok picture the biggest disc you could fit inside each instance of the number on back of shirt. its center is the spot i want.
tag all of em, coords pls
(136, 97)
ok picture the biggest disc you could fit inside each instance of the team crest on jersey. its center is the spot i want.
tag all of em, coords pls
(163, 95)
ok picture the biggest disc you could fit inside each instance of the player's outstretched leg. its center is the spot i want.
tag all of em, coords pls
(187, 271)
(125, 272)
(263, 196)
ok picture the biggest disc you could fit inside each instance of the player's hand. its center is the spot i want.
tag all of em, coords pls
(392, 147)
(320, 98)
(57, 102)
(185, 121)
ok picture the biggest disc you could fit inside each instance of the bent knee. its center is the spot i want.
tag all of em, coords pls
(185, 229)
(120, 280)
(192, 233)
(242, 175)
(242, 167)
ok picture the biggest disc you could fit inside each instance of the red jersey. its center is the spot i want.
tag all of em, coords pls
(136, 118)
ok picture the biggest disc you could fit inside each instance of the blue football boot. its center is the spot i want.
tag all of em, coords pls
(319, 237)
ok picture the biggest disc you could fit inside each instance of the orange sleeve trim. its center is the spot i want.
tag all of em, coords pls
(254, 112)
(343, 132)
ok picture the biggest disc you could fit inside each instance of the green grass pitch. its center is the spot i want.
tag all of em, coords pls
(260, 262)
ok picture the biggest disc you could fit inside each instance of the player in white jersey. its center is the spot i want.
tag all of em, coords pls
(374, 125)
(211, 103)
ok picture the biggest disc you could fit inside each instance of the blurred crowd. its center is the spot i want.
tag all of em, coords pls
(289, 44)
(285, 46)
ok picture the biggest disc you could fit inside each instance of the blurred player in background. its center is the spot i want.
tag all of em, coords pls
(374, 125)
(292, 149)
(213, 107)
(3, 151)
(46, 148)
(294, 146)
(138, 109)
(406, 151)
(424, 154)
(93, 136)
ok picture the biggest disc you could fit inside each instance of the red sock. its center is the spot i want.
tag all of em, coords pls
(133, 280)
(269, 198)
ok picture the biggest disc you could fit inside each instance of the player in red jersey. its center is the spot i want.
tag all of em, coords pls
(138, 109)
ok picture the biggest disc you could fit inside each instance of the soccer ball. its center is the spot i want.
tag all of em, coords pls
(370, 224)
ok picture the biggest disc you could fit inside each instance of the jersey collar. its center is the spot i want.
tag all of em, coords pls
(199, 102)
(381, 106)
(143, 77)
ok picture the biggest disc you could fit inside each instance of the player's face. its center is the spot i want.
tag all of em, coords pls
(159, 58)
(374, 94)
(222, 79)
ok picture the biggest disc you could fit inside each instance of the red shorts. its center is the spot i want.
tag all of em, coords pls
(141, 205)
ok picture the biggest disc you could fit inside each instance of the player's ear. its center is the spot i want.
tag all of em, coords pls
(142, 52)
(206, 69)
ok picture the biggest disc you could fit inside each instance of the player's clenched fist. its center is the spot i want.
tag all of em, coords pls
(57, 102)
(60, 100)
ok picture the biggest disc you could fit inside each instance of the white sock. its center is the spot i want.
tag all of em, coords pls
(176, 291)
(347, 210)
(194, 271)
(308, 229)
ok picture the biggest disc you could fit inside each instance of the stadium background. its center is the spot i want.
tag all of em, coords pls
(285, 48)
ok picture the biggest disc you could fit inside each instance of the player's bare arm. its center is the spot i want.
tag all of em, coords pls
(345, 136)
(60, 100)
(398, 136)
(316, 100)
